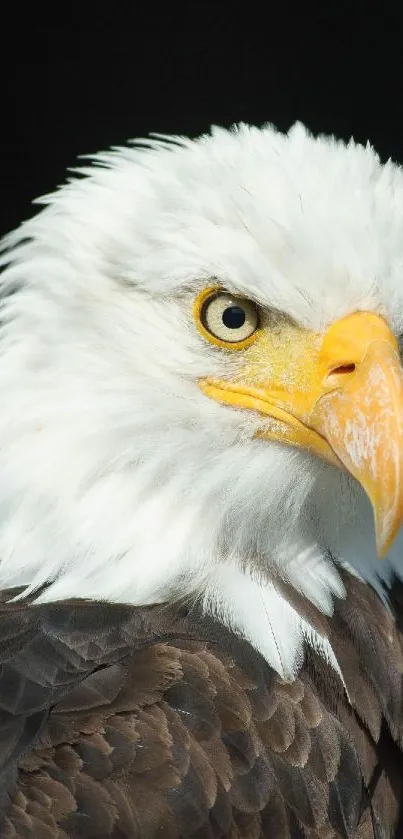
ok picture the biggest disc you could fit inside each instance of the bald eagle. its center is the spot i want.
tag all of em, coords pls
(201, 460)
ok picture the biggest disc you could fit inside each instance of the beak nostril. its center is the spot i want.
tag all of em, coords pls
(342, 370)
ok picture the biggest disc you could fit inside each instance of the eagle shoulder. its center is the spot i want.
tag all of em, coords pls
(119, 721)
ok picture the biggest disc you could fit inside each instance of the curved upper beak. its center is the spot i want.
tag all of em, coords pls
(361, 414)
(342, 398)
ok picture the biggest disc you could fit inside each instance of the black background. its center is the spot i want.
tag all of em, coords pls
(92, 77)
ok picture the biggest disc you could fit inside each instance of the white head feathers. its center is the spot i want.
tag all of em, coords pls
(118, 478)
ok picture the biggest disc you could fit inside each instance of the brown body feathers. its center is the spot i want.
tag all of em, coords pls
(123, 723)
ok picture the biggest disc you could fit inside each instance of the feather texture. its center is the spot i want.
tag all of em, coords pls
(128, 722)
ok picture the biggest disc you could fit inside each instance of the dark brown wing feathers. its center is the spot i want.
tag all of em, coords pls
(118, 722)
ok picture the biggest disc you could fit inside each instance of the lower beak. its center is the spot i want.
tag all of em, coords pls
(345, 404)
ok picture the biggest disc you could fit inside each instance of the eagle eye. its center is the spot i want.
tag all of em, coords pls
(226, 319)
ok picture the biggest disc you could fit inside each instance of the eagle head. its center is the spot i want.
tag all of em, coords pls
(200, 380)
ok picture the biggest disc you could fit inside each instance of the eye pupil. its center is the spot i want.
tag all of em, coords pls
(233, 317)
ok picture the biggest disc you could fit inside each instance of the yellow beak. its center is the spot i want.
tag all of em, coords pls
(339, 395)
